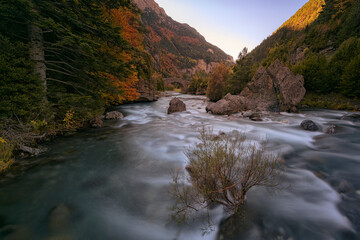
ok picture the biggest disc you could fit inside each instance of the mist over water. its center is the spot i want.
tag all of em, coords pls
(115, 180)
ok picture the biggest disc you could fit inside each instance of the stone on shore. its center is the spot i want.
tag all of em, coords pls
(113, 115)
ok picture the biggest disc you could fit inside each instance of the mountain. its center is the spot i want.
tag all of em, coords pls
(304, 17)
(321, 42)
(177, 48)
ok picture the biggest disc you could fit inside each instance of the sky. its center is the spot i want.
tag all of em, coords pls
(232, 24)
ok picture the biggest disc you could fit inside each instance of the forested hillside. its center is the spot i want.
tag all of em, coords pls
(176, 48)
(64, 61)
(321, 41)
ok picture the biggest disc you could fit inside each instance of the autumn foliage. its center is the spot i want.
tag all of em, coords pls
(217, 81)
(129, 23)
(120, 90)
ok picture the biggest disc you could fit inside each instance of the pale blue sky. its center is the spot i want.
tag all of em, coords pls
(232, 24)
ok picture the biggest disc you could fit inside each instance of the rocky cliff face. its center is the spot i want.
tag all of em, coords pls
(274, 89)
(177, 48)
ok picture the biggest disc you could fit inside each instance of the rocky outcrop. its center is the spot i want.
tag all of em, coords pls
(299, 55)
(146, 4)
(290, 88)
(274, 89)
(113, 115)
(309, 125)
(96, 122)
(200, 66)
(176, 105)
(147, 92)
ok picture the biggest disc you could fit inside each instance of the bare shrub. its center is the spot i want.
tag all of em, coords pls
(221, 169)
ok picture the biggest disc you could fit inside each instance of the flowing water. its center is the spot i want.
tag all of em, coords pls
(112, 183)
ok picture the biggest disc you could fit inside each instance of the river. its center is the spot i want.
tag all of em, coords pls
(113, 182)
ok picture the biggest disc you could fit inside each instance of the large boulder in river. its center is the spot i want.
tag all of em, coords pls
(226, 106)
(176, 105)
(274, 89)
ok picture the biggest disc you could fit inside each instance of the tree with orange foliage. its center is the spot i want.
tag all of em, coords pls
(129, 23)
(217, 80)
(120, 90)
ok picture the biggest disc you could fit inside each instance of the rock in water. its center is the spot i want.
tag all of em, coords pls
(59, 218)
(176, 105)
(332, 129)
(113, 115)
(59, 223)
(226, 106)
(274, 89)
(309, 125)
(260, 93)
(16, 232)
(354, 117)
(256, 117)
(96, 122)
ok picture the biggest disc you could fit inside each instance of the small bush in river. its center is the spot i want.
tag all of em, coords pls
(221, 170)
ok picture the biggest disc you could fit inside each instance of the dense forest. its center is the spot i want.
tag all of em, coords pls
(63, 62)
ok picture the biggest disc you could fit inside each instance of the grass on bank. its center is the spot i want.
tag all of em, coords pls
(6, 152)
(330, 101)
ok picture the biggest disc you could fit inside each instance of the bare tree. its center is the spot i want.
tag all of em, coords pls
(221, 170)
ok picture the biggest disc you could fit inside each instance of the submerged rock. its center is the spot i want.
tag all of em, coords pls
(176, 105)
(332, 129)
(274, 89)
(344, 186)
(113, 115)
(59, 218)
(354, 117)
(59, 223)
(16, 232)
(309, 125)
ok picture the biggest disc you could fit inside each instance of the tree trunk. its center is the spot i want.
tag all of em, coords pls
(37, 54)
(36, 50)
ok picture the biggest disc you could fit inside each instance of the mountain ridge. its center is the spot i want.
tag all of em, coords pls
(177, 49)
